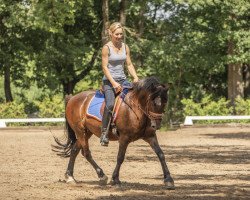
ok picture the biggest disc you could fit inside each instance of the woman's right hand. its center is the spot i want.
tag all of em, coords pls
(117, 87)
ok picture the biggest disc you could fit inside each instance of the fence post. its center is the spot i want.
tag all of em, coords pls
(188, 121)
(2, 124)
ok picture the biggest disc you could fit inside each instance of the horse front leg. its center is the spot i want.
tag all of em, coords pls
(168, 180)
(123, 144)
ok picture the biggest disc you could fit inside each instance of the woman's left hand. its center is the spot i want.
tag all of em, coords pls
(136, 79)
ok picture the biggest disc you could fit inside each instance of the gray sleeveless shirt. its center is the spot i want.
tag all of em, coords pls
(116, 63)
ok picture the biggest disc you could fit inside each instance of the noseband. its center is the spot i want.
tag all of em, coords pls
(154, 116)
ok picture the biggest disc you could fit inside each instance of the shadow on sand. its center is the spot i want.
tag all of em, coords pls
(209, 153)
(190, 191)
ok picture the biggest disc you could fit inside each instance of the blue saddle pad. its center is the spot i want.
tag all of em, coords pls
(95, 105)
(94, 109)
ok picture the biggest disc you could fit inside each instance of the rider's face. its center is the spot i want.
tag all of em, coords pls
(117, 35)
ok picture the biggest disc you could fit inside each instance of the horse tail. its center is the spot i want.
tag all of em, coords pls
(69, 130)
(63, 149)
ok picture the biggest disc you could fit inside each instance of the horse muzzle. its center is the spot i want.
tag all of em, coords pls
(156, 119)
(156, 124)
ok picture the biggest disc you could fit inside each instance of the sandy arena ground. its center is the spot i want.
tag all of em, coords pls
(206, 163)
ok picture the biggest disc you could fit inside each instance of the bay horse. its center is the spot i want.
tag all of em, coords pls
(140, 115)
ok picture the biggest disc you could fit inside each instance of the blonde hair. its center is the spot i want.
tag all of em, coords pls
(113, 27)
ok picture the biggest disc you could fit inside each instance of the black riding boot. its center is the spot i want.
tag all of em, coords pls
(104, 140)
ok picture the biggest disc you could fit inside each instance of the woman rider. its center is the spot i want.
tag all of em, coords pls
(114, 54)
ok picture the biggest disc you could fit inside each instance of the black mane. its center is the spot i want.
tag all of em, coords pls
(148, 84)
(152, 87)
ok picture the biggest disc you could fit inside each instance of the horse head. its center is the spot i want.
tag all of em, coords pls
(153, 99)
(157, 103)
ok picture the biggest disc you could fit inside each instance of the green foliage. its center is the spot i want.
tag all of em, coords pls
(209, 107)
(70, 39)
(53, 15)
(206, 107)
(12, 110)
(49, 46)
(48, 108)
(242, 107)
(51, 107)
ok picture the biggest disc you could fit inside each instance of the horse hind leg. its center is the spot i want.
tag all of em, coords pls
(69, 178)
(83, 139)
(103, 179)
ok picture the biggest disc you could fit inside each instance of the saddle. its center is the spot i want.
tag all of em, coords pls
(96, 105)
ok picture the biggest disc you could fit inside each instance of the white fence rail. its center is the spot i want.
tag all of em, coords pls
(28, 120)
(189, 119)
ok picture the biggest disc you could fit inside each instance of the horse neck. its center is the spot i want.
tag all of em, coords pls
(139, 102)
(143, 99)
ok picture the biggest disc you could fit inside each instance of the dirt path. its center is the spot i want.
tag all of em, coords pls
(206, 163)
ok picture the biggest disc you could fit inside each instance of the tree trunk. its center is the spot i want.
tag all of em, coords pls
(123, 7)
(105, 19)
(177, 88)
(141, 20)
(246, 76)
(235, 77)
(7, 88)
(141, 27)
(68, 87)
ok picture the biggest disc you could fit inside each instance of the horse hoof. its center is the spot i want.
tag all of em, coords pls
(115, 183)
(70, 180)
(103, 180)
(169, 185)
(104, 144)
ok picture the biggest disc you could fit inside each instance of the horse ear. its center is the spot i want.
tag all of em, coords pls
(166, 86)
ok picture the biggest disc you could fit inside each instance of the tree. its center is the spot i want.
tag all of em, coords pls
(123, 7)
(205, 46)
(223, 29)
(13, 51)
(246, 78)
(186, 43)
(71, 42)
(105, 21)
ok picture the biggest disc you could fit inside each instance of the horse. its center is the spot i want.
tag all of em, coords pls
(140, 115)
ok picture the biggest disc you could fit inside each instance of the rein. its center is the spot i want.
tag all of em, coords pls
(151, 115)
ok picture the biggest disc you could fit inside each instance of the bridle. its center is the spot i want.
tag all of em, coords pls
(151, 115)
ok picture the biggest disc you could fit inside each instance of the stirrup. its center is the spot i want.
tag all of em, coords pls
(104, 144)
(104, 139)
